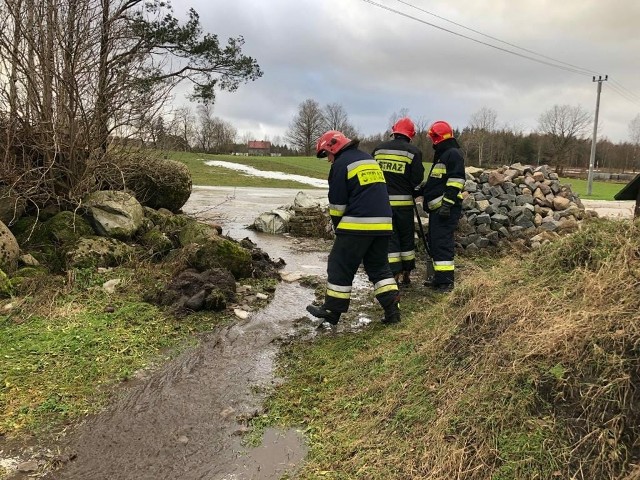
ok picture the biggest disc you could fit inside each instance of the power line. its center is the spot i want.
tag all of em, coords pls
(629, 92)
(406, 15)
(627, 96)
(586, 70)
(617, 87)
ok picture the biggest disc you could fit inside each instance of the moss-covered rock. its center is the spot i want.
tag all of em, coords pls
(195, 232)
(155, 182)
(50, 241)
(114, 214)
(92, 252)
(6, 288)
(25, 276)
(157, 243)
(218, 252)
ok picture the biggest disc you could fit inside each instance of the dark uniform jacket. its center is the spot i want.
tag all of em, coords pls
(358, 199)
(401, 163)
(446, 177)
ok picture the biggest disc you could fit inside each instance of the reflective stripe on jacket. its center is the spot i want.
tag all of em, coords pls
(401, 163)
(446, 178)
(358, 198)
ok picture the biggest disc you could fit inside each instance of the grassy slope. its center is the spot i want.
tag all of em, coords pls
(317, 168)
(530, 370)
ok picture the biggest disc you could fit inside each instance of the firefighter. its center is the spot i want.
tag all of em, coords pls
(401, 163)
(361, 215)
(442, 199)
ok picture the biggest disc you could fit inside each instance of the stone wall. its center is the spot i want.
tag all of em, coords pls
(516, 203)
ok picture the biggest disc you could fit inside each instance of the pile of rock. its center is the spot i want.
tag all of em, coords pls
(516, 203)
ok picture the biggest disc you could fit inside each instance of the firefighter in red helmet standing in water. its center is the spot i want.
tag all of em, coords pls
(442, 199)
(361, 216)
(403, 170)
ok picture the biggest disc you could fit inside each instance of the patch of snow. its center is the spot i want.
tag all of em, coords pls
(254, 172)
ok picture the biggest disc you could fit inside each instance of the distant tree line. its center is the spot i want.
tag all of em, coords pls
(562, 138)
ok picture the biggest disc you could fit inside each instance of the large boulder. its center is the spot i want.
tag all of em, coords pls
(219, 252)
(9, 249)
(94, 252)
(156, 183)
(114, 214)
(49, 241)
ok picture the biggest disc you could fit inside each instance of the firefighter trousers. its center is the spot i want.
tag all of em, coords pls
(347, 253)
(402, 246)
(442, 244)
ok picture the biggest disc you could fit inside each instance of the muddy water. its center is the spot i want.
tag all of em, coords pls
(185, 421)
(235, 208)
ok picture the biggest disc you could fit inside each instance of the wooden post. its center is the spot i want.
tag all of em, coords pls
(636, 212)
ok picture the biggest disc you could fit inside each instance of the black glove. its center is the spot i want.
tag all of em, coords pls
(445, 210)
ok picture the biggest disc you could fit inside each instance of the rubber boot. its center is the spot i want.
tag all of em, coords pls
(443, 288)
(406, 278)
(391, 314)
(325, 315)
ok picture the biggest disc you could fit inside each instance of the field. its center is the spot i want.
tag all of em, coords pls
(318, 168)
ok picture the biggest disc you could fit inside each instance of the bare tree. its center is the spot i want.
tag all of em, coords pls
(84, 72)
(395, 116)
(482, 124)
(183, 125)
(204, 131)
(306, 127)
(213, 134)
(335, 118)
(564, 125)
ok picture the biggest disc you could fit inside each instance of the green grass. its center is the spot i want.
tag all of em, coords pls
(510, 377)
(319, 168)
(207, 175)
(62, 352)
(599, 190)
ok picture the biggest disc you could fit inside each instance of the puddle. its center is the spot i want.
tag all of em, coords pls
(279, 454)
(254, 172)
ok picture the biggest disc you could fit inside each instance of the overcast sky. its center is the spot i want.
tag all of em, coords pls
(376, 62)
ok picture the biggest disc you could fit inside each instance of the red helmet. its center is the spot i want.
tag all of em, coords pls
(331, 142)
(440, 131)
(405, 127)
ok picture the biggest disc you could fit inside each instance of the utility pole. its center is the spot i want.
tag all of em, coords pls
(592, 158)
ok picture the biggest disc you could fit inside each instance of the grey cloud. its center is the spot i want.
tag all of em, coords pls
(374, 62)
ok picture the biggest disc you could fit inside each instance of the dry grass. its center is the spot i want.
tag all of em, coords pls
(555, 341)
(530, 370)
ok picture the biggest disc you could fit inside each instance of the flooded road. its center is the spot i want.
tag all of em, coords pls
(235, 209)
